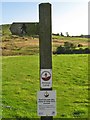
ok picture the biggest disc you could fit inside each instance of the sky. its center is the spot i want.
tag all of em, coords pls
(67, 16)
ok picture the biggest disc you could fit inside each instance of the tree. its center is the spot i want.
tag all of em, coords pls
(67, 34)
(61, 34)
(57, 34)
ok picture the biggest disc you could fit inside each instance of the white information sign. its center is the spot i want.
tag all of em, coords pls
(46, 103)
(46, 78)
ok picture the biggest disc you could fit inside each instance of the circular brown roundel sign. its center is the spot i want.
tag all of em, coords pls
(45, 75)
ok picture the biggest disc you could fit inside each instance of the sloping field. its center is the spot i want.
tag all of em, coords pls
(15, 45)
(29, 45)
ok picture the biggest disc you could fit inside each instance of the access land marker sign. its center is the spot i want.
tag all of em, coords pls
(46, 101)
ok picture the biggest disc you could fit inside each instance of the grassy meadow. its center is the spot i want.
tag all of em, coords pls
(20, 77)
(21, 83)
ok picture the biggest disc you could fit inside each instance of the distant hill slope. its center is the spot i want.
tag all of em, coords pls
(28, 45)
(5, 29)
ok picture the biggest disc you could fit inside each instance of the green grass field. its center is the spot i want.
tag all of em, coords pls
(20, 83)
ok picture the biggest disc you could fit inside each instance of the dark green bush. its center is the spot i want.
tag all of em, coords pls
(70, 48)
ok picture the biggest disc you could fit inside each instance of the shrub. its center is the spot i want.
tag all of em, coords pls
(69, 45)
(80, 45)
(87, 50)
(69, 48)
(60, 50)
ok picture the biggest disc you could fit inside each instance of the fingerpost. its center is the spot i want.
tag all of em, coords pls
(45, 47)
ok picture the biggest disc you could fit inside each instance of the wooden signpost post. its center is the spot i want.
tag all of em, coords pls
(46, 96)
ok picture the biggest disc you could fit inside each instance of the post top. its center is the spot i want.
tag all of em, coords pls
(45, 3)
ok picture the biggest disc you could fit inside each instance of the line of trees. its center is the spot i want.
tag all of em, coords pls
(67, 34)
(61, 34)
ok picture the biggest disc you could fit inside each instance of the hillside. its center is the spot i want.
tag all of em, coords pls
(27, 45)
(5, 29)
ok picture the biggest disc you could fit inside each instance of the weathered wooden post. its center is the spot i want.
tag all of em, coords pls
(45, 36)
(46, 97)
(45, 45)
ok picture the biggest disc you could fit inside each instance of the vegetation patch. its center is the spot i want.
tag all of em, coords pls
(70, 48)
